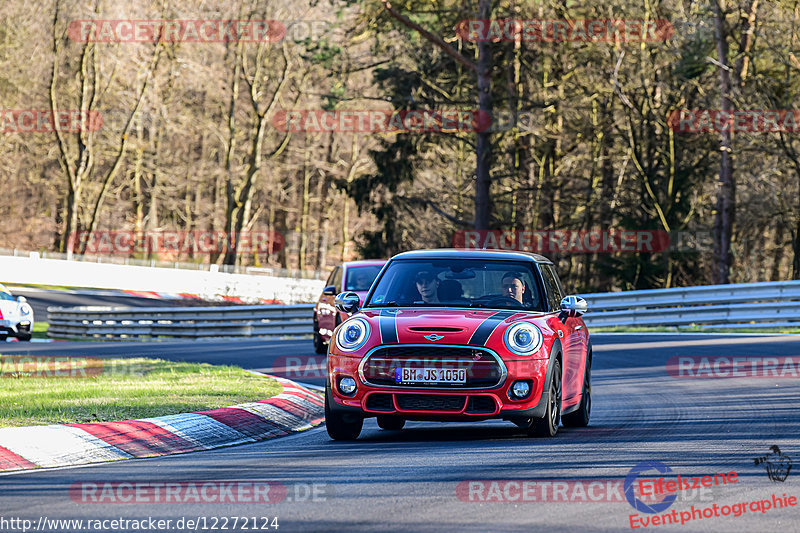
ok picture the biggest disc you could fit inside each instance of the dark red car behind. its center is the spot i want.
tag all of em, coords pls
(355, 276)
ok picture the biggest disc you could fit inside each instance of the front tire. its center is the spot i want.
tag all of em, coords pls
(580, 418)
(547, 426)
(341, 426)
(391, 422)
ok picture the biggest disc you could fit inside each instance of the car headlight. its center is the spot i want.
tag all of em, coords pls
(352, 334)
(523, 338)
(25, 310)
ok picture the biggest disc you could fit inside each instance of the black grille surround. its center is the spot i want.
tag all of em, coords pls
(430, 402)
(408, 402)
(484, 368)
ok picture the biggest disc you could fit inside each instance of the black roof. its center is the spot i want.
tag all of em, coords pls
(487, 255)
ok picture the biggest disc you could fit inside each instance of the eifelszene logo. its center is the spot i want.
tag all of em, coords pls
(778, 464)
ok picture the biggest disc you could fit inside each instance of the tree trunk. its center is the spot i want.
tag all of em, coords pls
(726, 194)
(483, 146)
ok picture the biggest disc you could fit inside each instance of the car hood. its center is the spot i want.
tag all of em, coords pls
(443, 326)
(10, 309)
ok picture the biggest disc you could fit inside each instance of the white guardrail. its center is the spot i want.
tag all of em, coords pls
(750, 305)
(206, 284)
(186, 322)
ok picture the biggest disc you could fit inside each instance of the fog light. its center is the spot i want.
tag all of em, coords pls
(347, 386)
(520, 390)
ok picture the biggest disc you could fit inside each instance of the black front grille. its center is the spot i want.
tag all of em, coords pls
(481, 404)
(380, 402)
(430, 402)
(483, 370)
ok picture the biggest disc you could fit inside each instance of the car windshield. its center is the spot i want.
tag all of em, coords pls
(458, 283)
(6, 296)
(360, 278)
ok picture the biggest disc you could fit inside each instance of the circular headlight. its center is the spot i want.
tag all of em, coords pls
(352, 334)
(25, 310)
(523, 338)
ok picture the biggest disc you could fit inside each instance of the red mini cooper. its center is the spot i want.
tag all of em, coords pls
(457, 335)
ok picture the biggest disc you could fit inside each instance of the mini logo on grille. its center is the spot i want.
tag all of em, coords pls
(433, 337)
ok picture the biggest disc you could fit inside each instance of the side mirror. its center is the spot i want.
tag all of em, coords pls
(330, 290)
(573, 305)
(347, 302)
(21, 299)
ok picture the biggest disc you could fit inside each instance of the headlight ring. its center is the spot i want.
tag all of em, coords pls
(523, 338)
(352, 334)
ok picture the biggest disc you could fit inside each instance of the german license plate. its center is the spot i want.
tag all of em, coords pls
(431, 375)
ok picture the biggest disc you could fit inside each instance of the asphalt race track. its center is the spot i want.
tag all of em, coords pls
(416, 479)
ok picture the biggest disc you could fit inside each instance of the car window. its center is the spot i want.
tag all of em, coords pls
(553, 286)
(6, 296)
(329, 282)
(459, 282)
(337, 279)
(360, 278)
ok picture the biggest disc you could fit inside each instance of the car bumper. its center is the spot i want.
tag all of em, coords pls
(439, 403)
(12, 328)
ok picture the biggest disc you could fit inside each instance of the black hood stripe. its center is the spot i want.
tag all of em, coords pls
(388, 326)
(482, 333)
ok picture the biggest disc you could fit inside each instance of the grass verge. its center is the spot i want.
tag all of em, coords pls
(60, 390)
(40, 330)
(690, 329)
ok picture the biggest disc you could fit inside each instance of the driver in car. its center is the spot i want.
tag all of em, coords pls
(361, 280)
(513, 286)
(428, 286)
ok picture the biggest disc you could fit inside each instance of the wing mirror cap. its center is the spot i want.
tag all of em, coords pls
(330, 290)
(574, 305)
(347, 302)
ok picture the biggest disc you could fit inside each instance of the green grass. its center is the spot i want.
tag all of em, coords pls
(48, 287)
(689, 329)
(40, 330)
(622, 329)
(62, 391)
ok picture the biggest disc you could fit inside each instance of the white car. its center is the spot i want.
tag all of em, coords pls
(16, 316)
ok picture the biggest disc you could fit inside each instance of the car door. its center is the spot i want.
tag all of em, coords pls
(571, 342)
